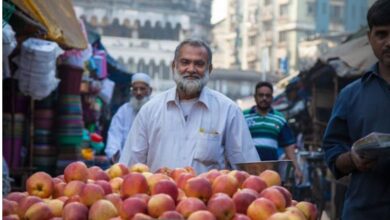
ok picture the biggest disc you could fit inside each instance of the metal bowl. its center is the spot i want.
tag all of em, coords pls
(283, 167)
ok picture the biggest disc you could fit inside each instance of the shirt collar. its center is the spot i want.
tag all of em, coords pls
(174, 98)
(253, 110)
(373, 71)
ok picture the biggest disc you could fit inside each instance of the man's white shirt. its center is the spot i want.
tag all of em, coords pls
(119, 128)
(214, 135)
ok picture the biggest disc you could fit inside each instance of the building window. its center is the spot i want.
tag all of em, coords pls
(282, 36)
(283, 10)
(252, 41)
(310, 9)
(336, 14)
(267, 26)
(267, 2)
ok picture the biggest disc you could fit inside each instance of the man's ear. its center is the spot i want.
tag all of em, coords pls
(173, 66)
(210, 68)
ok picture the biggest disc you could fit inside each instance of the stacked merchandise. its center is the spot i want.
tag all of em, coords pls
(37, 67)
(45, 151)
(69, 116)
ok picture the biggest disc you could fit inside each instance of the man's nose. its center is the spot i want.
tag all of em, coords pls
(191, 68)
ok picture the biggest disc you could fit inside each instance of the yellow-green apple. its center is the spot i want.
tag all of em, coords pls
(91, 193)
(117, 170)
(115, 198)
(183, 178)
(279, 216)
(198, 187)
(166, 186)
(134, 183)
(287, 195)
(308, 209)
(255, 183)
(56, 206)
(164, 170)
(261, 209)
(73, 188)
(105, 186)
(38, 211)
(116, 184)
(26, 203)
(276, 197)
(222, 206)
(271, 177)
(97, 173)
(142, 216)
(160, 203)
(153, 179)
(102, 210)
(243, 198)
(16, 196)
(294, 213)
(190, 205)
(239, 216)
(76, 171)
(171, 215)
(9, 207)
(75, 210)
(139, 168)
(132, 206)
(225, 184)
(201, 215)
(239, 175)
(58, 190)
(11, 217)
(40, 184)
(147, 174)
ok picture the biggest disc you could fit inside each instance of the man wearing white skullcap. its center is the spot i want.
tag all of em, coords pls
(123, 119)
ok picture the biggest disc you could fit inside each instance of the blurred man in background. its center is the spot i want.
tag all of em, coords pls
(123, 119)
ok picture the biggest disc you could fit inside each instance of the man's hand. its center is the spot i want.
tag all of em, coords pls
(360, 163)
(115, 157)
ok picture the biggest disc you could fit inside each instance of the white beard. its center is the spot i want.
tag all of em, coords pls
(190, 87)
(137, 104)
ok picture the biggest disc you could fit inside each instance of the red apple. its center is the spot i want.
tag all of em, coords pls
(75, 210)
(159, 204)
(308, 209)
(183, 178)
(225, 184)
(239, 216)
(222, 206)
(271, 177)
(142, 216)
(102, 210)
(91, 193)
(255, 183)
(189, 205)
(26, 203)
(171, 215)
(117, 170)
(96, 173)
(166, 186)
(40, 184)
(115, 198)
(76, 171)
(56, 206)
(276, 197)
(105, 186)
(198, 187)
(243, 198)
(58, 190)
(16, 196)
(9, 207)
(132, 206)
(38, 211)
(261, 209)
(134, 183)
(202, 215)
(239, 175)
(287, 195)
(73, 188)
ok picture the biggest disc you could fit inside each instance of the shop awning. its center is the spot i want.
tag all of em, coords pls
(59, 18)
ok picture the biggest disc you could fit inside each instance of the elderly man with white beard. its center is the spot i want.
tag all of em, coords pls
(190, 124)
(123, 119)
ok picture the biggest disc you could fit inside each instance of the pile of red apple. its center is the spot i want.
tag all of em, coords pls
(135, 193)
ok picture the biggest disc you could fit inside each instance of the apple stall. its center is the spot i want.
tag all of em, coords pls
(134, 192)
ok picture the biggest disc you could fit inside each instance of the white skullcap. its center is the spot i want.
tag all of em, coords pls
(141, 77)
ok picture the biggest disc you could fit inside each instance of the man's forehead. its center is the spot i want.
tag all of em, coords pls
(190, 50)
(139, 84)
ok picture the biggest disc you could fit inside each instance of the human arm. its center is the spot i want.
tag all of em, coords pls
(115, 137)
(290, 154)
(136, 144)
(238, 143)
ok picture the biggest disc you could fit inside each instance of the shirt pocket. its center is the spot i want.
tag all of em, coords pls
(208, 148)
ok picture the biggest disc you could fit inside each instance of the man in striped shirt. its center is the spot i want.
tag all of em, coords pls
(269, 128)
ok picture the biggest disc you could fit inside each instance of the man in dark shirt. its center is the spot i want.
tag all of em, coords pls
(361, 108)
